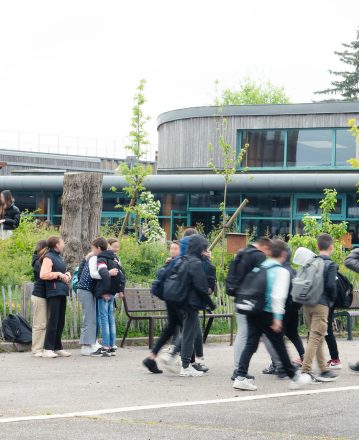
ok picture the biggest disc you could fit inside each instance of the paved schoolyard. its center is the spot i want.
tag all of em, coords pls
(104, 395)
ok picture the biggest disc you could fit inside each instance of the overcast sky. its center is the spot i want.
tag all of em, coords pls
(71, 67)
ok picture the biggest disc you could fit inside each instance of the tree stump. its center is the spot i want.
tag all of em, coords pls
(81, 214)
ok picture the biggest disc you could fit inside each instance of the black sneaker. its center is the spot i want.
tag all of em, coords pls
(282, 374)
(200, 367)
(270, 370)
(327, 376)
(354, 367)
(97, 353)
(152, 366)
(112, 351)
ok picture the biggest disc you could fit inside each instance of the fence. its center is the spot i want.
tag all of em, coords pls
(17, 299)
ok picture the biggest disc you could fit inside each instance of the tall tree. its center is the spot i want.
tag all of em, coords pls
(136, 171)
(347, 84)
(251, 92)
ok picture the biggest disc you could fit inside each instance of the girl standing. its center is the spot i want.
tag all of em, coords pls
(9, 214)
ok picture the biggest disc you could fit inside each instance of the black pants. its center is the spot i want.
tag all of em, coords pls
(290, 324)
(56, 322)
(330, 338)
(174, 321)
(189, 333)
(198, 343)
(257, 325)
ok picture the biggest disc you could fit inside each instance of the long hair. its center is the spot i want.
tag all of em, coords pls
(9, 200)
(40, 245)
(50, 244)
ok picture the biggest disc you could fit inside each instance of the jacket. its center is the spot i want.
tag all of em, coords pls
(253, 258)
(54, 286)
(278, 282)
(12, 218)
(330, 282)
(39, 284)
(106, 261)
(352, 260)
(198, 296)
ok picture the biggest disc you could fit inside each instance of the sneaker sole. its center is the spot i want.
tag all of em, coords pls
(337, 367)
(332, 379)
(244, 389)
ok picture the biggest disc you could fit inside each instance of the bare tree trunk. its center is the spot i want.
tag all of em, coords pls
(81, 214)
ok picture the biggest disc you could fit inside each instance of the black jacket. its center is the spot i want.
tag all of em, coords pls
(330, 282)
(253, 258)
(12, 218)
(56, 287)
(106, 261)
(197, 279)
(39, 284)
(352, 260)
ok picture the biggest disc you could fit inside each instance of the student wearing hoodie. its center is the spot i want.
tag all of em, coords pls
(352, 263)
(270, 321)
(38, 303)
(105, 290)
(197, 299)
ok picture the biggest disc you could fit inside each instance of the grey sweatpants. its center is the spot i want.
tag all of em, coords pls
(190, 329)
(89, 322)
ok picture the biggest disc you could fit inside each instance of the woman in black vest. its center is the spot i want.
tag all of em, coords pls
(53, 272)
(9, 214)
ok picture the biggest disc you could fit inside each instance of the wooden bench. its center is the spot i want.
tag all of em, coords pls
(140, 305)
(349, 314)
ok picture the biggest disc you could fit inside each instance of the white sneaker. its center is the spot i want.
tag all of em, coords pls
(38, 354)
(86, 350)
(190, 372)
(49, 354)
(299, 380)
(169, 362)
(96, 346)
(63, 353)
(242, 383)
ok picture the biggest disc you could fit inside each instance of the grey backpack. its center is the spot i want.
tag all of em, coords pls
(308, 284)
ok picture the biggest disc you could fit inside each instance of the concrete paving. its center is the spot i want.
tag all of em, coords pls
(31, 386)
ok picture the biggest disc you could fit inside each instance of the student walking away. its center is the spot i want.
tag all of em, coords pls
(9, 214)
(88, 273)
(262, 297)
(196, 299)
(105, 290)
(352, 263)
(245, 261)
(173, 318)
(53, 272)
(315, 286)
(290, 328)
(38, 303)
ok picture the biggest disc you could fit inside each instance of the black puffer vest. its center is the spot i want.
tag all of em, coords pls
(56, 287)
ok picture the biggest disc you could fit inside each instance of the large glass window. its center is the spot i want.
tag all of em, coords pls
(172, 202)
(309, 148)
(353, 205)
(110, 202)
(267, 205)
(214, 199)
(271, 228)
(31, 202)
(346, 147)
(266, 148)
(311, 206)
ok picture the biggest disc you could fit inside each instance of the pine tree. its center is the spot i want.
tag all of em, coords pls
(348, 83)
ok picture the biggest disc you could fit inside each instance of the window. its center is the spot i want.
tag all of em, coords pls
(172, 202)
(267, 205)
(31, 202)
(353, 205)
(271, 228)
(345, 147)
(266, 148)
(110, 202)
(309, 148)
(213, 200)
(353, 229)
(311, 206)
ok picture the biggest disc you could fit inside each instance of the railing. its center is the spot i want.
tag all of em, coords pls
(17, 299)
(68, 145)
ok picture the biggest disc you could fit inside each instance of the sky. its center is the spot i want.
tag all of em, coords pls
(71, 67)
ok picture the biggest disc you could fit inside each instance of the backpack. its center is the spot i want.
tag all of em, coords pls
(251, 296)
(308, 284)
(175, 287)
(16, 329)
(75, 279)
(235, 276)
(158, 284)
(344, 292)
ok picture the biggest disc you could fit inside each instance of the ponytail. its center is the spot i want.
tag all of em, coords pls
(50, 244)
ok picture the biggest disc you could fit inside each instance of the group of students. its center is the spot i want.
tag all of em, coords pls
(100, 278)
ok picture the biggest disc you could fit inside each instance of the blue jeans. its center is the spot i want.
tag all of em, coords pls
(107, 321)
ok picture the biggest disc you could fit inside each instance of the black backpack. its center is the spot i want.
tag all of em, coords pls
(344, 292)
(235, 276)
(175, 287)
(158, 284)
(15, 328)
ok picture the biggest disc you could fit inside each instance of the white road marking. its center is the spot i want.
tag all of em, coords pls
(246, 398)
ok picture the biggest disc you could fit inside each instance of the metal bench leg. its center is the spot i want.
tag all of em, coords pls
(126, 332)
(150, 333)
(207, 329)
(350, 328)
(232, 331)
